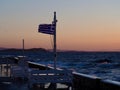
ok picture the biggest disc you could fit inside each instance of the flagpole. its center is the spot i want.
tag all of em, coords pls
(55, 46)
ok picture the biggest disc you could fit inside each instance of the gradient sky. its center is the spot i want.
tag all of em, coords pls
(90, 25)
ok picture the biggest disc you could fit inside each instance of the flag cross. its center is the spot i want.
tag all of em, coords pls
(46, 29)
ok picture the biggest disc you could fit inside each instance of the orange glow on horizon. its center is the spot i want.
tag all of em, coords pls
(82, 25)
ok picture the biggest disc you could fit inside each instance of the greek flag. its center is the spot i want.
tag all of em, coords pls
(46, 29)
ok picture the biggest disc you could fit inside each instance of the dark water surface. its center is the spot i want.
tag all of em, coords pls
(105, 65)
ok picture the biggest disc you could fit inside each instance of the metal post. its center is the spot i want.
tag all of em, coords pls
(55, 53)
(23, 60)
(23, 47)
(7, 68)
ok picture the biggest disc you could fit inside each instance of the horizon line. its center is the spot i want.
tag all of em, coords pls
(60, 50)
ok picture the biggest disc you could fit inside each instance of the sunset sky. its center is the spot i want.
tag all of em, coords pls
(87, 25)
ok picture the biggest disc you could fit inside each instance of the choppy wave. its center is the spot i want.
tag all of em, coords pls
(105, 65)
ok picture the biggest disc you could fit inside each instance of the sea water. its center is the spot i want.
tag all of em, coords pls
(105, 65)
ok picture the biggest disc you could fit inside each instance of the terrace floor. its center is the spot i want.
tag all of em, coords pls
(23, 85)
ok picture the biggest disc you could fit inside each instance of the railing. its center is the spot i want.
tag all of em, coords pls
(50, 76)
(87, 82)
(83, 81)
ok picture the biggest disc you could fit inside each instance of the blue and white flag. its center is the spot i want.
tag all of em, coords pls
(46, 29)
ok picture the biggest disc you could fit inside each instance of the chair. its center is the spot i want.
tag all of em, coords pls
(20, 70)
